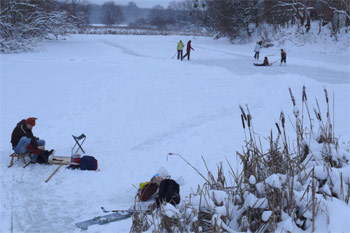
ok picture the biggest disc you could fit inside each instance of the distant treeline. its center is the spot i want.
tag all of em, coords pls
(23, 21)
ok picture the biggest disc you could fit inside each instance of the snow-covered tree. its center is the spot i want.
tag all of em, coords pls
(24, 22)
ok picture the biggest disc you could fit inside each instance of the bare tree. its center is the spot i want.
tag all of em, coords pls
(231, 17)
(111, 13)
(336, 12)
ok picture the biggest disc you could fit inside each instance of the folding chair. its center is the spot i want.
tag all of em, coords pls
(77, 139)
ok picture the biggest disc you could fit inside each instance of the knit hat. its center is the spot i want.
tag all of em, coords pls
(31, 121)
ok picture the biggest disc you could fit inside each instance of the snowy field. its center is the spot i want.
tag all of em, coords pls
(136, 104)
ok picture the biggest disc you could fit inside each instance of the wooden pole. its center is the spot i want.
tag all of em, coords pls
(48, 179)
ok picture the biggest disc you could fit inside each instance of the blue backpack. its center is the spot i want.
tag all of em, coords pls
(88, 163)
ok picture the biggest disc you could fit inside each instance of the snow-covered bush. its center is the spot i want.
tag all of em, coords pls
(282, 188)
(23, 24)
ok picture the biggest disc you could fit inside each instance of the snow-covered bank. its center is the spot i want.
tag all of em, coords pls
(136, 104)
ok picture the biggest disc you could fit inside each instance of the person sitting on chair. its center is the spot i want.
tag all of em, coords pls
(265, 63)
(23, 141)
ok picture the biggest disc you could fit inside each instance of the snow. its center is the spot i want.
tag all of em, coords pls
(276, 180)
(170, 210)
(252, 201)
(252, 180)
(135, 105)
(266, 215)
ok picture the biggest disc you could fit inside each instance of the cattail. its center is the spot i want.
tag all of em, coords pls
(243, 113)
(304, 94)
(243, 121)
(279, 131)
(326, 94)
(283, 120)
(291, 96)
(249, 118)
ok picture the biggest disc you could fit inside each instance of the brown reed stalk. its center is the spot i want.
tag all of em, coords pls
(191, 166)
(313, 201)
(307, 106)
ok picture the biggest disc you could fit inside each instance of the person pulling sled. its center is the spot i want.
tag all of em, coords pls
(23, 141)
(283, 57)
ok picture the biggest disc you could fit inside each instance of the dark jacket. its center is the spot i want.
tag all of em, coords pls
(169, 191)
(21, 130)
(283, 54)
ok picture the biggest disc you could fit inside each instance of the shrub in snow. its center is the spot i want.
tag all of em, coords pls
(24, 23)
(285, 187)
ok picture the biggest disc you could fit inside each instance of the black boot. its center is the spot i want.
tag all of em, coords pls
(43, 157)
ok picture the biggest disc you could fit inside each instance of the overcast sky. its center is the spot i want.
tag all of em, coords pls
(139, 3)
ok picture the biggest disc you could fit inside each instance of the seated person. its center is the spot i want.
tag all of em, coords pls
(265, 63)
(23, 141)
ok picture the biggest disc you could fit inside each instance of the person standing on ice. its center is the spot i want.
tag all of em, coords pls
(283, 57)
(257, 50)
(180, 47)
(188, 50)
(24, 141)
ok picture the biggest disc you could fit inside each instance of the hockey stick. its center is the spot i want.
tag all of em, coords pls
(269, 55)
(48, 179)
(174, 55)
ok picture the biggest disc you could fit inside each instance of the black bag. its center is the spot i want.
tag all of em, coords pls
(43, 157)
(169, 191)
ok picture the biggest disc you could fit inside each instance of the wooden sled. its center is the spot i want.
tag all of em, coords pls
(20, 157)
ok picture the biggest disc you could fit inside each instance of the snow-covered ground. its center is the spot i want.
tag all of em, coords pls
(136, 104)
